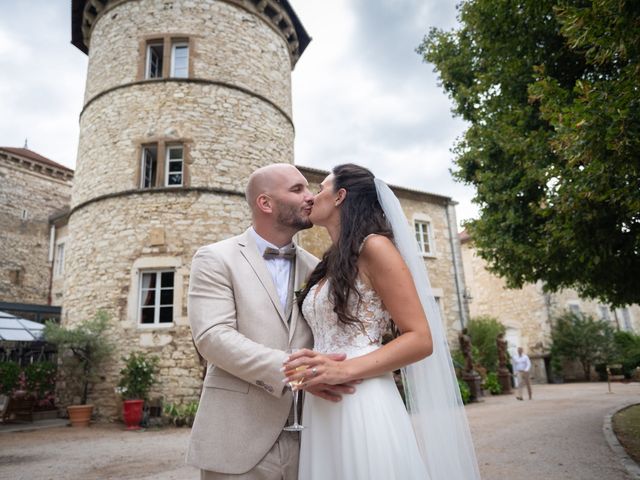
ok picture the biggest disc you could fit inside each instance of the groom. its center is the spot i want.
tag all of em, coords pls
(243, 316)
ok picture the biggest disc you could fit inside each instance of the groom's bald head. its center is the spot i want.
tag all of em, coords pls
(267, 179)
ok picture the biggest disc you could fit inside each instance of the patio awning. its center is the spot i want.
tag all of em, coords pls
(16, 329)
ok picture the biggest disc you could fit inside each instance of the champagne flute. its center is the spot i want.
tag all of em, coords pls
(296, 427)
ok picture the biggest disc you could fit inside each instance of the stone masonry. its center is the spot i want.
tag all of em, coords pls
(32, 188)
(232, 114)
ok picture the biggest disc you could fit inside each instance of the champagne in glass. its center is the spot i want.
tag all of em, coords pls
(294, 386)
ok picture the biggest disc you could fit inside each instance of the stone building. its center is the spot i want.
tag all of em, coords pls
(32, 189)
(183, 101)
(528, 312)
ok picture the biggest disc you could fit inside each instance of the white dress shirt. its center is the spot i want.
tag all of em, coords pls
(522, 363)
(279, 268)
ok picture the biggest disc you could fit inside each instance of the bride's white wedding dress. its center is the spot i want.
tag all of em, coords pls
(368, 435)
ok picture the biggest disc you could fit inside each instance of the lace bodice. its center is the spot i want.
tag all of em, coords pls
(331, 335)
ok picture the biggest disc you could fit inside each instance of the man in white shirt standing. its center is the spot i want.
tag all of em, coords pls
(521, 367)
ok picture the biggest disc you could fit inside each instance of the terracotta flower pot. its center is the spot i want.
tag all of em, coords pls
(132, 413)
(80, 415)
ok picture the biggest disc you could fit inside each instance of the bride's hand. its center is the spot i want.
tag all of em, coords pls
(330, 369)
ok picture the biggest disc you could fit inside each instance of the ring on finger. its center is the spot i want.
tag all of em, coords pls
(314, 371)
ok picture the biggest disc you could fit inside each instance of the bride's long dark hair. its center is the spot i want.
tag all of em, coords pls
(360, 215)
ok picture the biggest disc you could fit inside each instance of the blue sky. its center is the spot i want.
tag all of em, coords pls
(360, 92)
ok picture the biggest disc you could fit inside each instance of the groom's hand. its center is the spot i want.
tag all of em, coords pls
(333, 393)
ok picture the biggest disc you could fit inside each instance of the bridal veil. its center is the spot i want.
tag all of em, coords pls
(431, 389)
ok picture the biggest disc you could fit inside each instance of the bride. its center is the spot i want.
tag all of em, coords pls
(370, 277)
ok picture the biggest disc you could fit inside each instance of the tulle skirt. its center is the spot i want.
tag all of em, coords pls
(366, 436)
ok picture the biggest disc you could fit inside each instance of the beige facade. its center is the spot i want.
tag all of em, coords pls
(32, 188)
(528, 312)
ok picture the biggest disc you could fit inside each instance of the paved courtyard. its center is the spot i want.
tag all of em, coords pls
(557, 435)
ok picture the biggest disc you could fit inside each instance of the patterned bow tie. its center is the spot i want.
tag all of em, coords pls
(289, 252)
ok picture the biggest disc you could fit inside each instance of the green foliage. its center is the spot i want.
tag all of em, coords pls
(40, 381)
(627, 346)
(138, 376)
(9, 377)
(465, 391)
(181, 414)
(483, 331)
(582, 338)
(492, 384)
(82, 348)
(549, 89)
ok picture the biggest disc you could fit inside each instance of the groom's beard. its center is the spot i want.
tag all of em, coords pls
(290, 217)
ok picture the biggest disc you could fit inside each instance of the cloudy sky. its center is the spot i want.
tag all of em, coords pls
(360, 92)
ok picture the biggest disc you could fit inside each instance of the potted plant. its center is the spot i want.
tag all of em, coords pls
(136, 378)
(81, 350)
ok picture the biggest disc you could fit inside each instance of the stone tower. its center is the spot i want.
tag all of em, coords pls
(183, 100)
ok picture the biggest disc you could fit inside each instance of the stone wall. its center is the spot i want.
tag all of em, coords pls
(233, 116)
(27, 199)
(230, 45)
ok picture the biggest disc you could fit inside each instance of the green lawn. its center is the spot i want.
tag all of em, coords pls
(626, 425)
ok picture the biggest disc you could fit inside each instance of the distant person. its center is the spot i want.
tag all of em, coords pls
(521, 367)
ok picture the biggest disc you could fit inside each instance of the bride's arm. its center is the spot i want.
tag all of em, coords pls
(381, 264)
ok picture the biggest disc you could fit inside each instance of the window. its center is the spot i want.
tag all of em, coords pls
(58, 268)
(180, 60)
(603, 312)
(174, 164)
(626, 318)
(575, 309)
(149, 166)
(156, 297)
(424, 237)
(165, 56)
(155, 53)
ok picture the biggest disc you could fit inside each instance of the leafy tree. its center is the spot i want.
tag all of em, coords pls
(627, 351)
(88, 347)
(483, 331)
(550, 91)
(582, 338)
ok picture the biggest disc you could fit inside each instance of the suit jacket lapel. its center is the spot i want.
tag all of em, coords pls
(299, 278)
(249, 251)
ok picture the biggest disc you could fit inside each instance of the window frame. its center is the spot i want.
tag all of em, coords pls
(168, 161)
(58, 265)
(182, 43)
(157, 298)
(147, 58)
(143, 175)
(429, 236)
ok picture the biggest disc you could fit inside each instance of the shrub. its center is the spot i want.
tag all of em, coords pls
(40, 379)
(9, 377)
(483, 331)
(138, 376)
(465, 391)
(582, 338)
(181, 414)
(627, 346)
(492, 384)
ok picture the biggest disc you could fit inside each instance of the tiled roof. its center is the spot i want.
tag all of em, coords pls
(31, 155)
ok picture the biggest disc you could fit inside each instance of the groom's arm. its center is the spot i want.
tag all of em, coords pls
(212, 316)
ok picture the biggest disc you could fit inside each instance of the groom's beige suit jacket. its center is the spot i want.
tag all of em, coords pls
(240, 328)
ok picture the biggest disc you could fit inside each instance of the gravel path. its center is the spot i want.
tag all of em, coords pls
(558, 435)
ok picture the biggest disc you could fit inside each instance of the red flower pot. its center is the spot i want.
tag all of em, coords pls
(132, 413)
